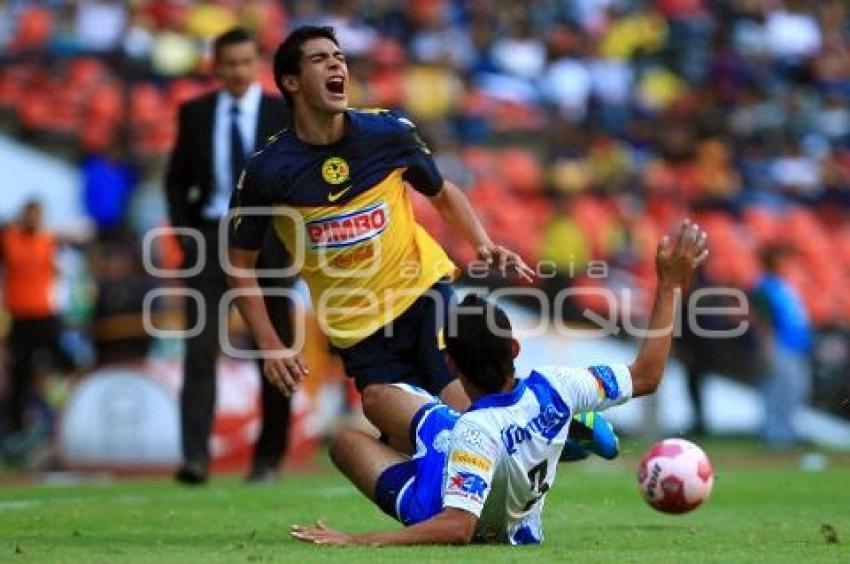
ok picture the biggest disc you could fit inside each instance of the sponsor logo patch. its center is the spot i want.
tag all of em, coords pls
(354, 258)
(548, 423)
(606, 381)
(348, 229)
(334, 196)
(471, 438)
(468, 484)
(471, 459)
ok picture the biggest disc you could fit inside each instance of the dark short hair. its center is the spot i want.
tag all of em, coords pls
(484, 356)
(233, 36)
(31, 203)
(287, 58)
(771, 256)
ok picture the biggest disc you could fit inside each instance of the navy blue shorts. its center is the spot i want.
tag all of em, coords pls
(414, 351)
(412, 491)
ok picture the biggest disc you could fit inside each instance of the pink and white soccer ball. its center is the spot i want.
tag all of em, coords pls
(675, 476)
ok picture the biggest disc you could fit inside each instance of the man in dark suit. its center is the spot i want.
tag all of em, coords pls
(217, 133)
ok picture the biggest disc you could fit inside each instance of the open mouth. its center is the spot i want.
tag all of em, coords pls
(336, 85)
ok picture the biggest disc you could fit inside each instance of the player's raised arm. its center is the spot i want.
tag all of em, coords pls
(455, 209)
(453, 206)
(675, 261)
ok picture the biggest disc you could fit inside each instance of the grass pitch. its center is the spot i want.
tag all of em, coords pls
(762, 509)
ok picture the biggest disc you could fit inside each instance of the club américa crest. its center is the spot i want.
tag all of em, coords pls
(335, 170)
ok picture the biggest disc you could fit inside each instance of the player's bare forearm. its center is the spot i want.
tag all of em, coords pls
(282, 367)
(455, 209)
(677, 257)
(451, 526)
(648, 367)
(445, 528)
(251, 306)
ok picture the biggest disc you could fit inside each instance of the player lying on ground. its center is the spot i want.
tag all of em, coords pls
(484, 475)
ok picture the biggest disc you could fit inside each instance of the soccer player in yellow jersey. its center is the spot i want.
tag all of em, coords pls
(380, 284)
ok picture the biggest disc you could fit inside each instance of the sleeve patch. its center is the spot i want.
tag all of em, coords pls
(470, 437)
(471, 460)
(606, 381)
(468, 485)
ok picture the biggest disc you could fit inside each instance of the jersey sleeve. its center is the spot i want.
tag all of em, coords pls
(472, 461)
(247, 230)
(594, 388)
(422, 172)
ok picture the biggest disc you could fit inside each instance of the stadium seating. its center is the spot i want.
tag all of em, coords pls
(666, 128)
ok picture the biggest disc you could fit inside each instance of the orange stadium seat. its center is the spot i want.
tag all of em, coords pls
(516, 116)
(34, 110)
(64, 116)
(388, 53)
(487, 195)
(267, 79)
(85, 71)
(520, 169)
(183, 89)
(387, 88)
(97, 136)
(598, 220)
(34, 29)
(507, 190)
(271, 21)
(762, 224)
(842, 243)
(480, 161)
(516, 226)
(146, 104)
(155, 139)
(105, 104)
(10, 87)
(733, 250)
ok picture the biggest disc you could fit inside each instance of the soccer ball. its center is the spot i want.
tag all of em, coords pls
(675, 476)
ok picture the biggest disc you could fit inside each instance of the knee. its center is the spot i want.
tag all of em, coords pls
(373, 396)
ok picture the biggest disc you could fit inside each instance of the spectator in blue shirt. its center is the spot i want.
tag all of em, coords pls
(108, 185)
(785, 339)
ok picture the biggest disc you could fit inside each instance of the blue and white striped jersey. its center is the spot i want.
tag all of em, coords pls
(504, 451)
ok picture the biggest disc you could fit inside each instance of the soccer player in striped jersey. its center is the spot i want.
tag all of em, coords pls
(484, 475)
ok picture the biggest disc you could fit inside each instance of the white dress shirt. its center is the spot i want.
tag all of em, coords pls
(249, 109)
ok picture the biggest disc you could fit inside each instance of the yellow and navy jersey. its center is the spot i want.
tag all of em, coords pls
(344, 214)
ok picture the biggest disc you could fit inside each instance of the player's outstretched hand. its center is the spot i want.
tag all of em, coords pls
(321, 534)
(285, 373)
(505, 259)
(680, 254)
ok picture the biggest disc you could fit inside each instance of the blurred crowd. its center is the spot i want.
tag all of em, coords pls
(580, 129)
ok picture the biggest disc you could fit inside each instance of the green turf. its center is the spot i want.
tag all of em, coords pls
(762, 510)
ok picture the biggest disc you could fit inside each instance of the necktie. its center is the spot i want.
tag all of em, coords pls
(237, 149)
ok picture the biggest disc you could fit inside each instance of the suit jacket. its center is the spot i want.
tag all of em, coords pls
(189, 180)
